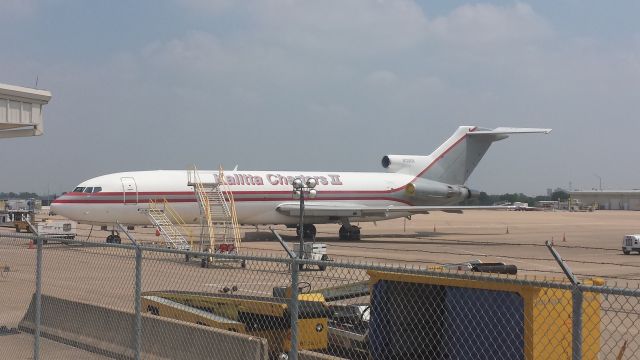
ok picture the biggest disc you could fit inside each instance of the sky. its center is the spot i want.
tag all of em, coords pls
(324, 85)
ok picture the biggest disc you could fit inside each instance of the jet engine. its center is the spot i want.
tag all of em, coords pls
(425, 189)
(396, 163)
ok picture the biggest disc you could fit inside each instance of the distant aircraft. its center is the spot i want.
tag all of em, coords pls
(412, 184)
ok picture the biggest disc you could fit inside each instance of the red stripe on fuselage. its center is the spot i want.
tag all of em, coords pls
(96, 201)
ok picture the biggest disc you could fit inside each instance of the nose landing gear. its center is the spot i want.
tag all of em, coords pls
(114, 238)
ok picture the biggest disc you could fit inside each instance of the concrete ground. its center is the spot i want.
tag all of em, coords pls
(20, 347)
(591, 243)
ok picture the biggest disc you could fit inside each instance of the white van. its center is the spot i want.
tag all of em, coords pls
(631, 243)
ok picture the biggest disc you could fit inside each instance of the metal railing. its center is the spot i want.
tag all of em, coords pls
(407, 312)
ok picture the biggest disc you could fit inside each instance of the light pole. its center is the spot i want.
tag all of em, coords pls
(299, 189)
(599, 178)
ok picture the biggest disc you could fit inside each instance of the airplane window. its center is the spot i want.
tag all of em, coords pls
(88, 190)
(97, 189)
(78, 189)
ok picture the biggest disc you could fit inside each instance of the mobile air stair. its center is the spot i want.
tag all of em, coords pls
(161, 216)
(220, 232)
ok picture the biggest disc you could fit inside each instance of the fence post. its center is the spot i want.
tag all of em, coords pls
(577, 324)
(38, 300)
(293, 309)
(137, 336)
(576, 314)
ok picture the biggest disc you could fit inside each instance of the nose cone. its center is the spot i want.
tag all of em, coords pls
(58, 207)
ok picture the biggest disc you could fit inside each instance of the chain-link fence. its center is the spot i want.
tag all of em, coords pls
(73, 299)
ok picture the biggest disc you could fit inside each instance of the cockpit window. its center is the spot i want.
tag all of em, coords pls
(88, 190)
(97, 189)
(78, 189)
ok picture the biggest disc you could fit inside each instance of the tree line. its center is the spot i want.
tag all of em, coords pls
(21, 195)
(486, 199)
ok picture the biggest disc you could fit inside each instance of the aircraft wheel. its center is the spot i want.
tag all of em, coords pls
(109, 239)
(323, 258)
(309, 231)
(344, 233)
(153, 310)
(626, 252)
(355, 233)
(117, 239)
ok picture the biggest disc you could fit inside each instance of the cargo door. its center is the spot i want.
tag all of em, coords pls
(129, 191)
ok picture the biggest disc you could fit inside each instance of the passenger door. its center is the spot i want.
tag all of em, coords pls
(129, 191)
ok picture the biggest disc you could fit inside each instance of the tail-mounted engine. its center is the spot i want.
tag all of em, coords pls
(403, 163)
(425, 189)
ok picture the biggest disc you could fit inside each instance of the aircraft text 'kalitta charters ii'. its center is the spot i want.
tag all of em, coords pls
(412, 184)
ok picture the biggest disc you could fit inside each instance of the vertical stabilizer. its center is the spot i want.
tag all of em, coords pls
(454, 161)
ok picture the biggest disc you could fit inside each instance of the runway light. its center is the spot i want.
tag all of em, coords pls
(297, 184)
(313, 193)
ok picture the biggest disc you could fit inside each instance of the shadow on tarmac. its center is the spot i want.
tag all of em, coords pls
(420, 238)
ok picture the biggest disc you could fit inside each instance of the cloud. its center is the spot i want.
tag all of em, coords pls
(364, 77)
(13, 10)
(381, 78)
(215, 7)
(330, 28)
(482, 25)
(355, 27)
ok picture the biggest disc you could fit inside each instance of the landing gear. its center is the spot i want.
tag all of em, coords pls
(114, 238)
(349, 232)
(309, 231)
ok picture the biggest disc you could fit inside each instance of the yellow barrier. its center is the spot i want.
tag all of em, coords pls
(544, 313)
(264, 317)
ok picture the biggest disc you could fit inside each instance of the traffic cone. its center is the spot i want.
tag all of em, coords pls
(507, 230)
(157, 232)
(564, 237)
(434, 228)
(31, 245)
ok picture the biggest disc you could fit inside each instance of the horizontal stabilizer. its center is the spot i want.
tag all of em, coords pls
(510, 130)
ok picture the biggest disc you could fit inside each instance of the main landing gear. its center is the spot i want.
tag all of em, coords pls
(309, 231)
(114, 238)
(349, 232)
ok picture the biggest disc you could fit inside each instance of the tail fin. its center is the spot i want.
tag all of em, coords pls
(454, 161)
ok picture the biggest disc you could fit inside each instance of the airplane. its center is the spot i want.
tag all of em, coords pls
(411, 184)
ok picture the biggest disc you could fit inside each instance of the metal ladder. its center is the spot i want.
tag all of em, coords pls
(219, 220)
(172, 236)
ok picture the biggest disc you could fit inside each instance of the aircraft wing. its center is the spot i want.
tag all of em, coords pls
(348, 210)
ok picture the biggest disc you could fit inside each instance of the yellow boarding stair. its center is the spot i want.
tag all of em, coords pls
(219, 219)
(159, 216)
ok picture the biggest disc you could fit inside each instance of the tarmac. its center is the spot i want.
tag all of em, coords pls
(589, 241)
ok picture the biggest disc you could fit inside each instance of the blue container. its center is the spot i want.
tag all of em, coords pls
(422, 321)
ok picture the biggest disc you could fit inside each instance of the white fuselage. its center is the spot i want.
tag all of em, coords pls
(413, 184)
(123, 196)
